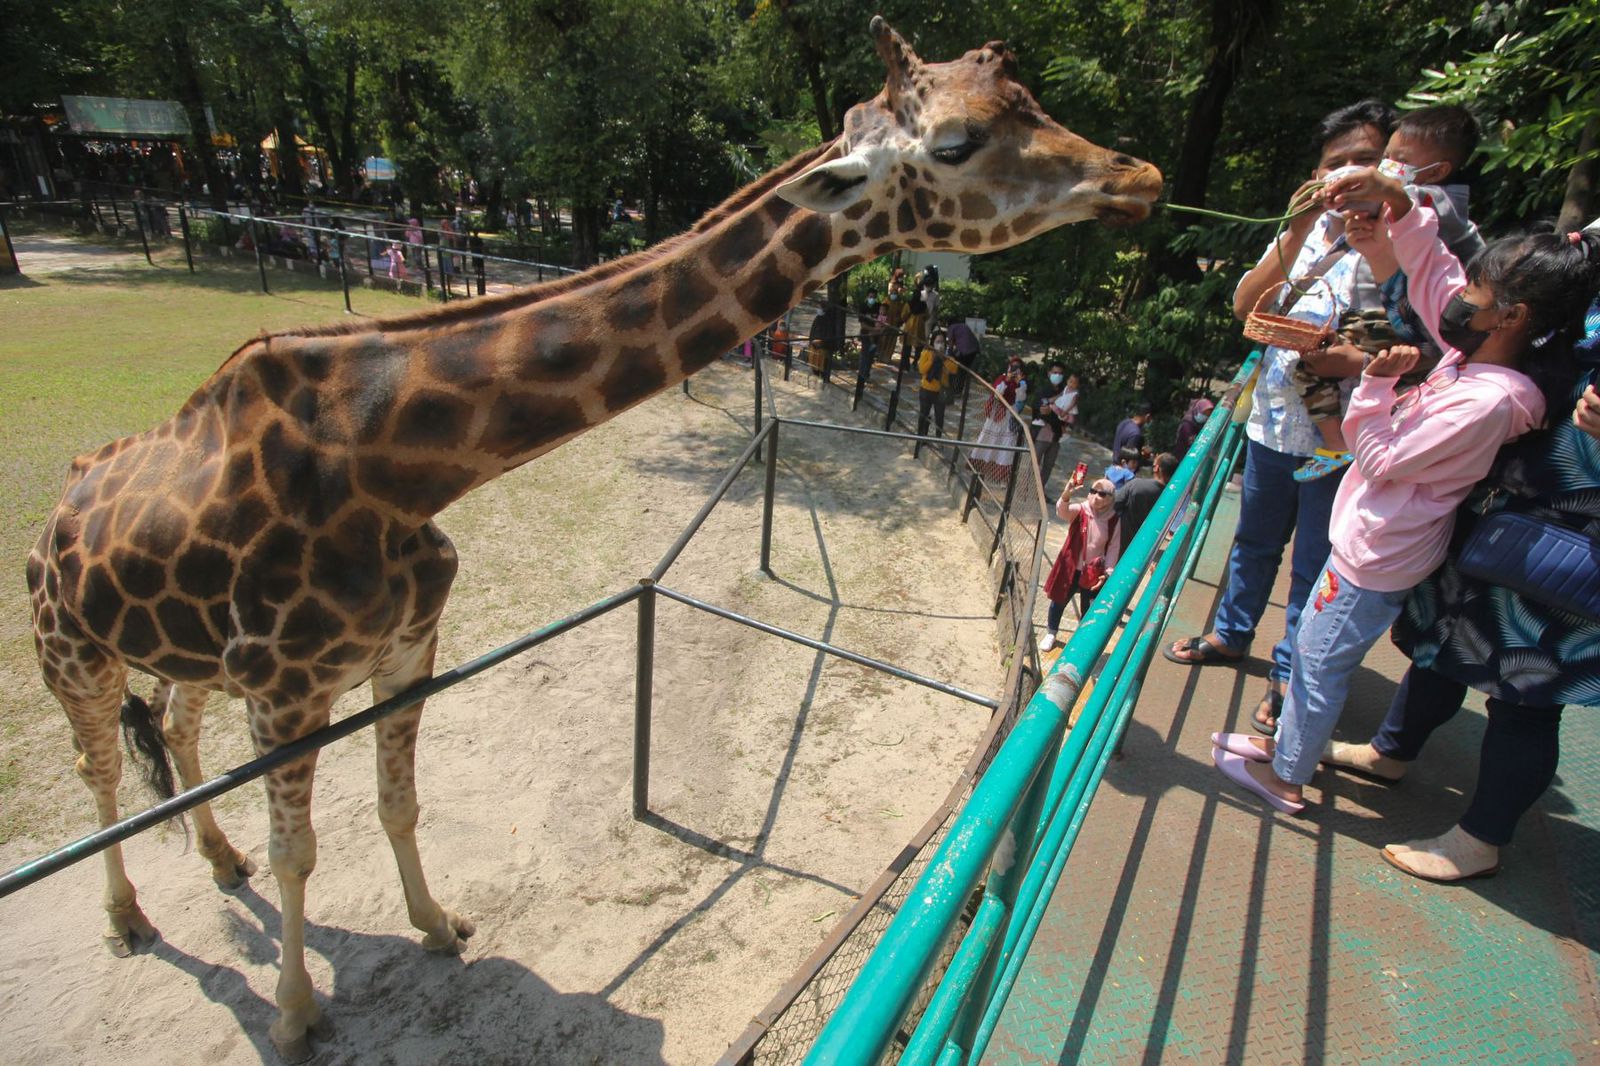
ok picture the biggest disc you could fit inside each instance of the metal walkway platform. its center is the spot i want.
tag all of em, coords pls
(1193, 924)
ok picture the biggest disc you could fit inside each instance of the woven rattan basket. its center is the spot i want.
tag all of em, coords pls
(1282, 331)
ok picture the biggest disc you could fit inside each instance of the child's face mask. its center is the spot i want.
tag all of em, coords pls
(1200, 417)
(1056, 379)
(1404, 173)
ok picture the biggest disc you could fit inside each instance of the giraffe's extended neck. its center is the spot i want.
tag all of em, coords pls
(476, 397)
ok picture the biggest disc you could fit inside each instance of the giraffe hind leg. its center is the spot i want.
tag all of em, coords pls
(184, 705)
(90, 686)
(445, 932)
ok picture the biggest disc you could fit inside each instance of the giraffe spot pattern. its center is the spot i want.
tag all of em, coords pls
(977, 207)
(138, 637)
(635, 374)
(877, 226)
(768, 293)
(686, 293)
(184, 627)
(923, 201)
(519, 423)
(705, 342)
(810, 239)
(1001, 234)
(632, 305)
(432, 419)
(905, 219)
(737, 244)
(139, 575)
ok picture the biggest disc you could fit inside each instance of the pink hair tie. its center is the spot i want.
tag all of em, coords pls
(1576, 237)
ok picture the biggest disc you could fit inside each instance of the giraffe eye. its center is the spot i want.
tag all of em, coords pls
(955, 154)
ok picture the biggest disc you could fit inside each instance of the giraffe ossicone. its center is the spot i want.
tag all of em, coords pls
(274, 539)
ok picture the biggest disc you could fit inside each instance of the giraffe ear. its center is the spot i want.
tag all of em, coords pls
(829, 187)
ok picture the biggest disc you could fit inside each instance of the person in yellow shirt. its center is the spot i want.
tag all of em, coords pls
(937, 373)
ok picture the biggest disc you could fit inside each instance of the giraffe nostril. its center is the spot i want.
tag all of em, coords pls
(1125, 160)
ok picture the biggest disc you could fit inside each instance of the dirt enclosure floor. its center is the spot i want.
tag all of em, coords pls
(782, 782)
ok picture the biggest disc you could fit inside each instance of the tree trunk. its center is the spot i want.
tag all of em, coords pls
(586, 226)
(494, 215)
(1235, 26)
(310, 88)
(187, 79)
(1578, 206)
(811, 60)
(349, 179)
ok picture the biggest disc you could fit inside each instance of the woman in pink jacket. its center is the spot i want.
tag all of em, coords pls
(1416, 457)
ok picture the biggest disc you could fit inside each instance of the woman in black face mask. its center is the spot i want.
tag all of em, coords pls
(1531, 656)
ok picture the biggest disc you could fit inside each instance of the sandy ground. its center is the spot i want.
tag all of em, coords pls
(783, 782)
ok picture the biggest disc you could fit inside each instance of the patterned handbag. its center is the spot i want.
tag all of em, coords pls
(1536, 558)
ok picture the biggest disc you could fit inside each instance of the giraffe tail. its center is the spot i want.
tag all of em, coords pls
(141, 731)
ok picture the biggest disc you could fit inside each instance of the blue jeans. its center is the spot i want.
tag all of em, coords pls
(1339, 624)
(1274, 507)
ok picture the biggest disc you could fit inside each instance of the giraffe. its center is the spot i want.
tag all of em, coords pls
(274, 540)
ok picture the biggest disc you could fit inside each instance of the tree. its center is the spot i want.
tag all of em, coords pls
(1537, 88)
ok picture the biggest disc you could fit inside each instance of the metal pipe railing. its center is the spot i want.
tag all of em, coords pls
(78, 850)
(864, 1024)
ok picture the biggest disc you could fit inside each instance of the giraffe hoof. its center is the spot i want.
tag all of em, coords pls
(297, 1048)
(232, 876)
(130, 932)
(292, 1049)
(451, 939)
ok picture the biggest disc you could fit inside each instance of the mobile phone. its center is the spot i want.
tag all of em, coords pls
(1080, 471)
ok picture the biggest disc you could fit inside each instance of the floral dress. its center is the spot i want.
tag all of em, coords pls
(1488, 637)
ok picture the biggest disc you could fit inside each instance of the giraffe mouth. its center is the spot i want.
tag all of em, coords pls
(1122, 211)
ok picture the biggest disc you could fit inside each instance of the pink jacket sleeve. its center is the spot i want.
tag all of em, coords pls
(1456, 430)
(1433, 275)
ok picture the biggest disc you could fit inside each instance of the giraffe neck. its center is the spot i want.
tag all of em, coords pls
(474, 398)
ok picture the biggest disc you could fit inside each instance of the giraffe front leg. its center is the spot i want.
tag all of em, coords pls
(230, 867)
(444, 931)
(292, 854)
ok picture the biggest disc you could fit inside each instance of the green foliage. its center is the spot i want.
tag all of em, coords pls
(1535, 88)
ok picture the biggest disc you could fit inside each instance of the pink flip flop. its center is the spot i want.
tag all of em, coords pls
(1235, 768)
(1240, 745)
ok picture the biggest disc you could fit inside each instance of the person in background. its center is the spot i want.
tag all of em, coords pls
(1058, 404)
(1130, 431)
(935, 372)
(1125, 467)
(992, 460)
(1137, 496)
(1194, 419)
(930, 291)
(963, 342)
(1087, 557)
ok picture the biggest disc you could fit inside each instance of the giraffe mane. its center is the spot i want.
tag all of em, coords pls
(486, 306)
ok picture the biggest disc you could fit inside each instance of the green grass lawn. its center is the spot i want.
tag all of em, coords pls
(88, 357)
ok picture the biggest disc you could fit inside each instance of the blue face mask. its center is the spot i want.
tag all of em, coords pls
(1200, 417)
(1056, 379)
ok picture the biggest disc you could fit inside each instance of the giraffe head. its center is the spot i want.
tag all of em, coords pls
(960, 156)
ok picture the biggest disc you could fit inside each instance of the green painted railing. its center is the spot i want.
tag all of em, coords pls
(1017, 829)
